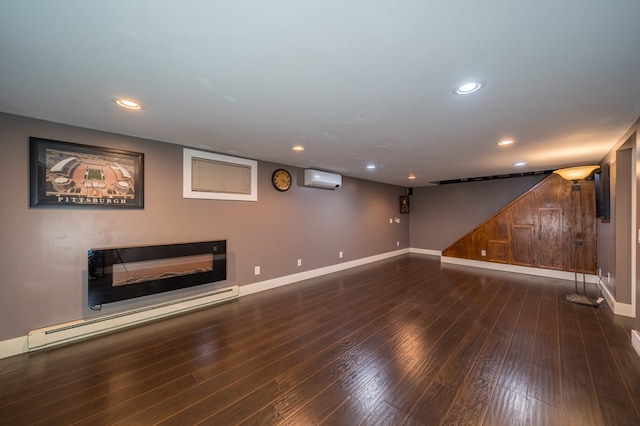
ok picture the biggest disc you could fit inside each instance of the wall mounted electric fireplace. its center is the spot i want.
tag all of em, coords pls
(128, 272)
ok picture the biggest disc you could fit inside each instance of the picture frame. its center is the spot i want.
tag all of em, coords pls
(66, 174)
(404, 204)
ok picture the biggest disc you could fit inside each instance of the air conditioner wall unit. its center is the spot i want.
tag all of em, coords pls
(320, 179)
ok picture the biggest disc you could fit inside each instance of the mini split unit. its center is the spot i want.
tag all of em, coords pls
(320, 179)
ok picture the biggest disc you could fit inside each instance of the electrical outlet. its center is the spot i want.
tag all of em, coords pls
(483, 252)
(256, 270)
(340, 255)
(299, 262)
(397, 243)
(390, 220)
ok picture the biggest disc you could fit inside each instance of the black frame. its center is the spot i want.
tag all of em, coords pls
(43, 154)
(404, 204)
(603, 192)
(100, 270)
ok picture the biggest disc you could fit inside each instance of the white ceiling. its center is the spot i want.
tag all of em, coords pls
(354, 81)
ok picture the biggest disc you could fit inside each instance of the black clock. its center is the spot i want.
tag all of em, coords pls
(281, 179)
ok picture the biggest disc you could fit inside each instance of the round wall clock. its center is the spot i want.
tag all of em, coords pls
(281, 179)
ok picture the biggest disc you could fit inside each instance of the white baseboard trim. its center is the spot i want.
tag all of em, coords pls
(290, 279)
(549, 273)
(20, 344)
(426, 251)
(16, 346)
(624, 309)
(635, 340)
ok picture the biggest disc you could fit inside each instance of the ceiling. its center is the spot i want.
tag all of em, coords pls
(355, 82)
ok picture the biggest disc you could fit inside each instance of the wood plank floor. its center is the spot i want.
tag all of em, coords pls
(405, 341)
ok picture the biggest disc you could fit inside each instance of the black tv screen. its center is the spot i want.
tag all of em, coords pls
(603, 192)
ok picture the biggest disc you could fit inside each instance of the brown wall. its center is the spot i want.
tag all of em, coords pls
(44, 251)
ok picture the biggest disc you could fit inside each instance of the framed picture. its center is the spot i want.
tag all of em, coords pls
(404, 204)
(72, 175)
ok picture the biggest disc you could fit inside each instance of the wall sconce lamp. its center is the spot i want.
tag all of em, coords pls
(575, 174)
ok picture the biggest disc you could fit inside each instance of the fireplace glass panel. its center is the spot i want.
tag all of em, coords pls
(124, 273)
(138, 272)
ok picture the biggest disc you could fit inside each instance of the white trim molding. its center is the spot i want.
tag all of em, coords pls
(427, 252)
(624, 309)
(549, 273)
(187, 174)
(12, 347)
(635, 340)
(289, 279)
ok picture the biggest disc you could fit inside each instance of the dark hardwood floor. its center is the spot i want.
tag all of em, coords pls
(405, 341)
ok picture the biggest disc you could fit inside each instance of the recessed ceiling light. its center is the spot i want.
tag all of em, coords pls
(505, 142)
(411, 176)
(127, 103)
(297, 148)
(519, 164)
(371, 166)
(468, 87)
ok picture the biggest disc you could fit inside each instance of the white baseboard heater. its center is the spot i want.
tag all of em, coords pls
(69, 332)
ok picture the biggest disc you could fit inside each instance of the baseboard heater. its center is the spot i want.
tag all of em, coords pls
(69, 332)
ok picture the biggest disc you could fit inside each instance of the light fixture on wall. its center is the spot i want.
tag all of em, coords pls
(575, 174)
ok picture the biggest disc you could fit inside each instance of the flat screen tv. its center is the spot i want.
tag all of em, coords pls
(603, 192)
